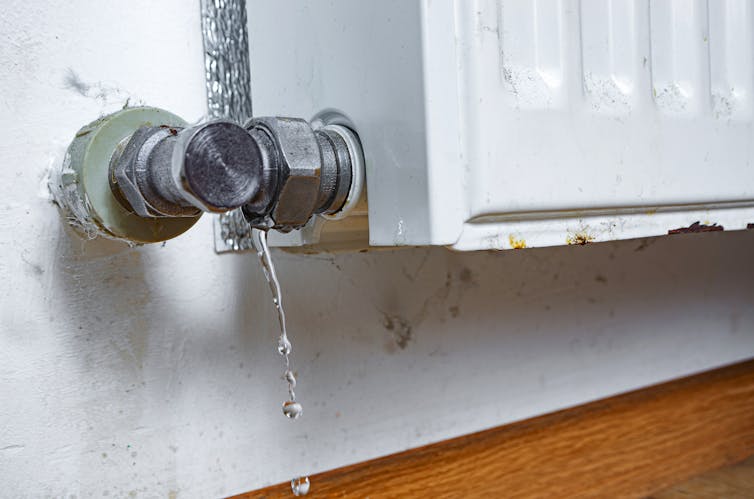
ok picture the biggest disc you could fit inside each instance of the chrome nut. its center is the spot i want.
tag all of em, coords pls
(123, 172)
(217, 166)
(300, 165)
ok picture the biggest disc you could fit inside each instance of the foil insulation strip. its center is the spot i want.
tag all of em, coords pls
(226, 59)
(228, 80)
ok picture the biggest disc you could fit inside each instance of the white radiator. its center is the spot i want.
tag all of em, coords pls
(502, 124)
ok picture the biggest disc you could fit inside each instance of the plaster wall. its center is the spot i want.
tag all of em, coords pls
(151, 371)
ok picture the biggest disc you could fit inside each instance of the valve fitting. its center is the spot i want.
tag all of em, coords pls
(180, 172)
(280, 170)
(311, 172)
(143, 175)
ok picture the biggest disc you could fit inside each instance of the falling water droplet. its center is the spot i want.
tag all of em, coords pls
(292, 410)
(290, 378)
(300, 486)
(284, 346)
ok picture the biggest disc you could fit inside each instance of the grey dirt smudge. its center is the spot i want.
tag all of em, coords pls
(75, 83)
(36, 268)
(399, 328)
(104, 94)
(646, 243)
(466, 277)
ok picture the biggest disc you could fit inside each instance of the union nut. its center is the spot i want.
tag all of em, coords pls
(299, 167)
(131, 179)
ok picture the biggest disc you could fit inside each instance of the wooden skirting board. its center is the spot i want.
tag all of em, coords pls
(630, 445)
(730, 482)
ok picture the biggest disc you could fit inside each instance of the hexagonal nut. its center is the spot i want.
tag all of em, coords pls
(122, 182)
(301, 163)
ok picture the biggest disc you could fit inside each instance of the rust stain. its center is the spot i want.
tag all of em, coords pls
(697, 227)
(516, 243)
(580, 238)
(172, 130)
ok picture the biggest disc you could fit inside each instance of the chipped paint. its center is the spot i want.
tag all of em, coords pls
(697, 227)
(584, 228)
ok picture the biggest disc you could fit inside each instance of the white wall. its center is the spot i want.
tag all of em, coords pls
(151, 372)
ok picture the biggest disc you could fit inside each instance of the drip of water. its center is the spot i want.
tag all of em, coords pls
(290, 378)
(300, 486)
(291, 408)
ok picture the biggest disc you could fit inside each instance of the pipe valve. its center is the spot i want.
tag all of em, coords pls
(155, 175)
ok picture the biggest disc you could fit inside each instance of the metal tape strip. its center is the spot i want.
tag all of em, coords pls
(227, 69)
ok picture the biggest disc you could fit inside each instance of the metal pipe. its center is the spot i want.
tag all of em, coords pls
(279, 169)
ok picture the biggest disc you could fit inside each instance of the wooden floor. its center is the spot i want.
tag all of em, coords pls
(631, 445)
(729, 482)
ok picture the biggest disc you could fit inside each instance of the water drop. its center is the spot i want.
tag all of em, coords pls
(300, 486)
(290, 378)
(292, 409)
(284, 346)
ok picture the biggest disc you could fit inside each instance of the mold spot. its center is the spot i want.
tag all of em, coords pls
(697, 227)
(516, 243)
(600, 278)
(454, 311)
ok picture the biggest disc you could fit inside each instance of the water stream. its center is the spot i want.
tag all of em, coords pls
(291, 408)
